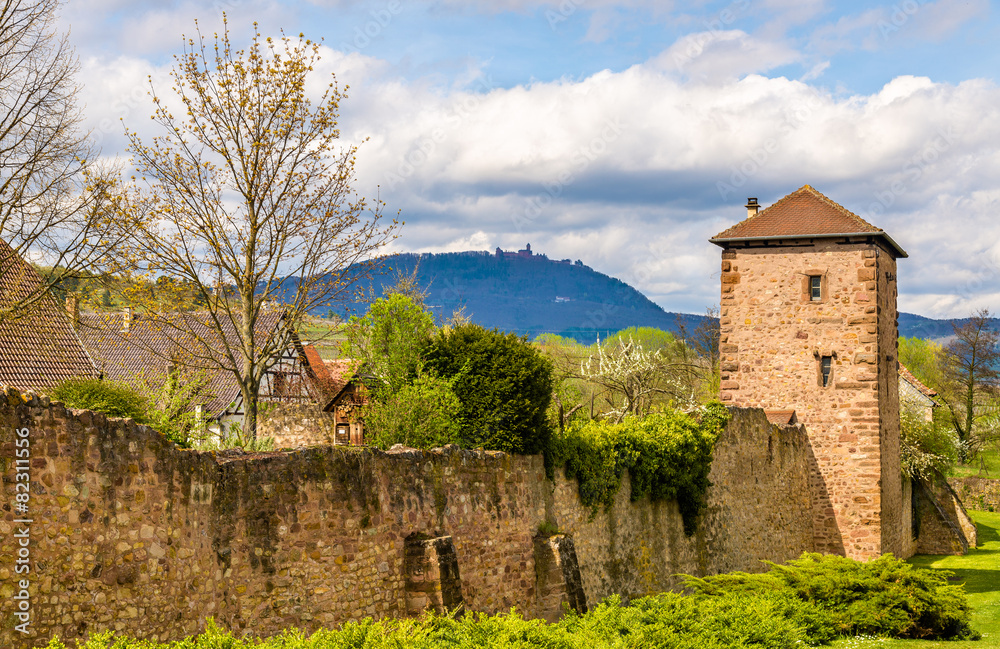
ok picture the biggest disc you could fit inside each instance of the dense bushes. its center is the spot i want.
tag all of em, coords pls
(503, 383)
(422, 414)
(166, 407)
(810, 601)
(668, 456)
(101, 396)
(840, 596)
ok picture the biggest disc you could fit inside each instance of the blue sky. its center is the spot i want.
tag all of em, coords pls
(626, 134)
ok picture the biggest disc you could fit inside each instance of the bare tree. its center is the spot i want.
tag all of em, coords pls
(249, 199)
(971, 371)
(53, 205)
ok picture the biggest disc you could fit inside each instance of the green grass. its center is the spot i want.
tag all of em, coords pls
(987, 465)
(324, 334)
(979, 570)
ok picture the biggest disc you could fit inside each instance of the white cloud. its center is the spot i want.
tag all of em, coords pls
(633, 170)
(714, 56)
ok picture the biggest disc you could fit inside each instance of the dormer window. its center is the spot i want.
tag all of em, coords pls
(815, 288)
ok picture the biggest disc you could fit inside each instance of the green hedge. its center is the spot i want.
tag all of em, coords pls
(504, 385)
(884, 596)
(807, 602)
(668, 456)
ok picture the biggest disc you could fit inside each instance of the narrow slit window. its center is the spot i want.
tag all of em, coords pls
(825, 368)
(815, 288)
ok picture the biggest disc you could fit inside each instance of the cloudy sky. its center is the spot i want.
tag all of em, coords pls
(627, 133)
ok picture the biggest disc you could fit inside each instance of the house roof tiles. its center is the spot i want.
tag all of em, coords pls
(781, 417)
(805, 213)
(38, 347)
(908, 376)
(152, 344)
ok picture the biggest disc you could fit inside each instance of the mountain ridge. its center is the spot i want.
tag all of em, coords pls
(530, 294)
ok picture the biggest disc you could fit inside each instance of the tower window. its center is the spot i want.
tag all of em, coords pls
(815, 288)
(825, 370)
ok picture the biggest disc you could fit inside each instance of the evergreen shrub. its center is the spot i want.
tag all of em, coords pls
(503, 382)
(110, 398)
(883, 597)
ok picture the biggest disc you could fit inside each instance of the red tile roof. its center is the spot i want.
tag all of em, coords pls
(38, 347)
(781, 417)
(341, 374)
(805, 213)
(907, 376)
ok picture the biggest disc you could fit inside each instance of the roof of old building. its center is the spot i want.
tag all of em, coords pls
(38, 347)
(805, 213)
(153, 344)
(781, 417)
(341, 375)
(907, 376)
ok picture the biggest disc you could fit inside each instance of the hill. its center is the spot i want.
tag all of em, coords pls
(531, 294)
(528, 294)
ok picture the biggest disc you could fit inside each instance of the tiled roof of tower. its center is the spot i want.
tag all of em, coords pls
(37, 349)
(804, 213)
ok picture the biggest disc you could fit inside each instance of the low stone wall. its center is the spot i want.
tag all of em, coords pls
(128, 532)
(978, 493)
(293, 425)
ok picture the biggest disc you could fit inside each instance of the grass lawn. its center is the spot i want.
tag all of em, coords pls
(990, 461)
(980, 572)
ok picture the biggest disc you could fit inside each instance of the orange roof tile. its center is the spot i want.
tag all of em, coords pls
(154, 342)
(908, 376)
(781, 417)
(803, 213)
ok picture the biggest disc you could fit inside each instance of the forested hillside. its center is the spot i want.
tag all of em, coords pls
(528, 295)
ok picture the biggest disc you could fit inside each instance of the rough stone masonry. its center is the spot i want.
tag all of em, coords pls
(134, 534)
(809, 323)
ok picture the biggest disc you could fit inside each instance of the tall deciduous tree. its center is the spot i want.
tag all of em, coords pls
(53, 205)
(249, 198)
(387, 340)
(970, 367)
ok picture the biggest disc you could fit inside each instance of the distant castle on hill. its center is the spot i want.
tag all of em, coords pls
(527, 254)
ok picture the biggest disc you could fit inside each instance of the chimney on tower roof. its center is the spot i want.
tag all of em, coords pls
(752, 207)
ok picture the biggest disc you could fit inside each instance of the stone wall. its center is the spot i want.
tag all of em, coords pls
(773, 337)
(978, 493)
(130, 533)
(945, 527)
(293, 425)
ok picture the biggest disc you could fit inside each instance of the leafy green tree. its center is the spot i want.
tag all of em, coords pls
(971, 362)
(924, 358)
(422, 414)
(503, 383)
(247, 197)
(387, 341)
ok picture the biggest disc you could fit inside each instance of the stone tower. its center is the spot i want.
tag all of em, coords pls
(809, 323)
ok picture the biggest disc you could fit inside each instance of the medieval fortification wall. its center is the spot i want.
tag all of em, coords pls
(128, 532)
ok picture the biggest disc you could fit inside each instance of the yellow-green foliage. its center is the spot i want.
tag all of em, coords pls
(668, 456)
